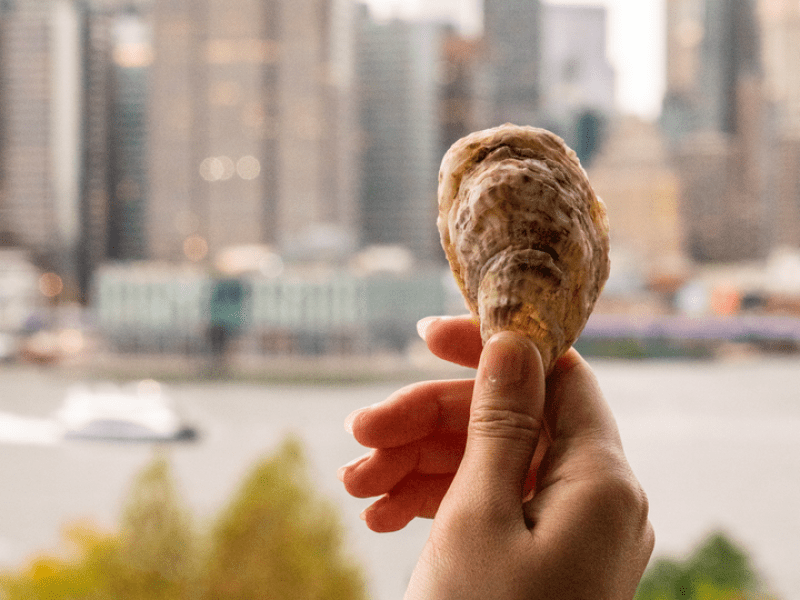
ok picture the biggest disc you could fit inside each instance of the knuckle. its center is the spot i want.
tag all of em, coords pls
(505, 424)
(622, 500)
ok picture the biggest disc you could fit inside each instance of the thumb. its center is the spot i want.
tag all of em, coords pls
(505, 422)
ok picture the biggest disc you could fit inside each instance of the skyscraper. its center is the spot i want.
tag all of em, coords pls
(246, 100)
(712, 46)
(399, 90)
(780, 21)
(131, 58)
(66, 135)
(577, 80)
(41, 133)
(716, 117)
(512, 30)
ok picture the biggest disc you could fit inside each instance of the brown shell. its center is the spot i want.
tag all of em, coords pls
(525, 234)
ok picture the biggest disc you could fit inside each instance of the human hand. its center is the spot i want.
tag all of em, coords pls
(418, 434)
(585, 532)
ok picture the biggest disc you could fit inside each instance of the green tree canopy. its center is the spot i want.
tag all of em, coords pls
(717, 569)
(277, 540)
(274, 540)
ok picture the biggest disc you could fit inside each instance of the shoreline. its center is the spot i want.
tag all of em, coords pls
(248, 368)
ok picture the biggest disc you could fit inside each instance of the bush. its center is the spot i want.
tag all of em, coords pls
(274, 540)
(717, 570)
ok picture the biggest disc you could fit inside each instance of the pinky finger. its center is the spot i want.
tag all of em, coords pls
(415, 496)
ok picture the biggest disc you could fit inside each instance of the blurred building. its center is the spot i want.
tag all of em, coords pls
(577, 80)
(40, 57)
(399, 73)
(248, 114)
(780, 26)
(20, 298)
(170, 308)
(132, 56)
(633, 176)
(460, 107)
(716, 115)
(116, 56)
(513, 78)
(73, 141)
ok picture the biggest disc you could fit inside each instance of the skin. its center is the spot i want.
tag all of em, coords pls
(464, 453)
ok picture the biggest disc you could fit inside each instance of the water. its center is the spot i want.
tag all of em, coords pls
(716, 445)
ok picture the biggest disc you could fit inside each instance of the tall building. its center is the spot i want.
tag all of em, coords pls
(131, 58)
(685, 32)
(780, 20)
(96, 136)
(460, 107)
(400, 99)
(41, 134)
(577, 80)
(712, 45)
(67, 153)
(248, 101)
(114, 57)
(632, 174)
(512, 31)
(715, 113)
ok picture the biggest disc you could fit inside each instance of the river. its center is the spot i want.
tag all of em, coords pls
(716, 445)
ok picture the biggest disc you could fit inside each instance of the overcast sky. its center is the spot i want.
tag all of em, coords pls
(636, 46)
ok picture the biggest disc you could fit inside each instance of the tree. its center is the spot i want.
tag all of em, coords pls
(157, 543)
(717, 570)
(152, 557)
(276, 540)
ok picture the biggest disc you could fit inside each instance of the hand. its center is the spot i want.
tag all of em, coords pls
(585, 532)
(418, 435)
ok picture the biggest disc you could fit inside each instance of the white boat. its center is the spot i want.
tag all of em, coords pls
(139, 412)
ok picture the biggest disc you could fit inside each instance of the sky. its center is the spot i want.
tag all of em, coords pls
(636, 41)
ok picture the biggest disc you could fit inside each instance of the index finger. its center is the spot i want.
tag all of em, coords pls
(413, 413)
(454, 339)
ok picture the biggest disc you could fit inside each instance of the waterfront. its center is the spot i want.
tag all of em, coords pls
(715, 444)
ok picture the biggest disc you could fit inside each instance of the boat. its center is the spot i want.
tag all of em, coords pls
(139, 412)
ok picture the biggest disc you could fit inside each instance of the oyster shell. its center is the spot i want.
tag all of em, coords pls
(524, 233)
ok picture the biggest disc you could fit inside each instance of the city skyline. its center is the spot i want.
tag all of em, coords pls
(636, 41)
(226, 140)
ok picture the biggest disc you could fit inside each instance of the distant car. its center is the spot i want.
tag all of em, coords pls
(140, 412)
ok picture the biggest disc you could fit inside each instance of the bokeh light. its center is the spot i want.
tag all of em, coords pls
(248, 167)
(71, 341)
(51, 284)
(217, 168)
(195, 248)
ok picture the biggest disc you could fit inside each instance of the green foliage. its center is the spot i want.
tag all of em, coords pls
(275, 540)
(717, 570)
(156, 543)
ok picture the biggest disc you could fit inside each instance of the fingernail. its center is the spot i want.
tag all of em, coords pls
(507, 359)
(423, 324)
(348, 422)
(341, 470)
(371, 508)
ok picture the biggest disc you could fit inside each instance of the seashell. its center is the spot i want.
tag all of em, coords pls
(526, 237)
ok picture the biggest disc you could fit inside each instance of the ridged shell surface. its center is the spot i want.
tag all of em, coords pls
(526, 237)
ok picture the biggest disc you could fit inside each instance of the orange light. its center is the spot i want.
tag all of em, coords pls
(51, 285)
(725, 301)
(195, 248)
